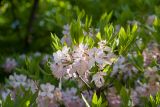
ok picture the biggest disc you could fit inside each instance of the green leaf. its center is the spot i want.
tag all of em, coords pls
(125, 97)
(89, 40)
(96, 102)
(8, 102)
(109, 30)
(134, 28)
(122, 35)
(105, 18)
(99, 101)
(76, 32)
(156, 22)
(99, 36)
(155, 101)
(158, 98)
(56, 44)
(94, 99)
(126, 39)
(88, 22)
(138, 61)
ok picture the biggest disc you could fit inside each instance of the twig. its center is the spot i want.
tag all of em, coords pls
(28, 38)
(13, 7)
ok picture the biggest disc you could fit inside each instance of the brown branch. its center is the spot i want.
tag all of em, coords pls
(28, 37)
(0, 2)
(15, 18)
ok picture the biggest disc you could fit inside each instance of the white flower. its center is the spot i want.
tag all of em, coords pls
(124, 67)
(5, 94)
(66, 39)
(31, 85)
(17, 80)
(66, 29)
(9, 65)
(98, 56)
(118, 65)
(114, 100)
(22, 56)
(68, 63)
(79, 52)
(61, 64)
(37, 54)
(151, 73)
(81, 67)
(95, 56)
(47, 90)
(151, 19)
(98, 79)
(132, 22)
(134, 97)
(62, 55)
(102, 45)
(80, 61)
(59, 70)
(142, 90)
(71, 100)
(58, 94)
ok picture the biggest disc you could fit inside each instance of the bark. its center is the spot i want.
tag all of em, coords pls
(29, 30)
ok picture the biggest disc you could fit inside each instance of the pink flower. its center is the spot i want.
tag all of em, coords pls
(98, 79)
(47, 90)
(9, 65)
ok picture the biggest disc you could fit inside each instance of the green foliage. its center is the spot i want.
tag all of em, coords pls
(51, 15)
(109, 30)
(96, 102)
(156, 24)
(104, 20)
(88, 22)
(126, 39)
(89, 40)
(34, 70)
(138, 61)
(31, 69)
(24, 30)
(26, 100)
(155, 101)
(125, 97)
(56, 44)
(76, 32)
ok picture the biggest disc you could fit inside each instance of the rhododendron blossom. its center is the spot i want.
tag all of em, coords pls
(78, 62)
(47, 90)
(9, 65)
(98, 79)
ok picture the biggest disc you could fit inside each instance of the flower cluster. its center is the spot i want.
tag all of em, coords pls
(99, 71)
(124, 67)
(51, 96)
(16, 82)
(151, 53)
(113, 99)
(78, 62)
(46, 96)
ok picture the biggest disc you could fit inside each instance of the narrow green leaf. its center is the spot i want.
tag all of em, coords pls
(95, 99)
(98, 36)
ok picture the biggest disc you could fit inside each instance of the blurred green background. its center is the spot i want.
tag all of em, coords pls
(25, 25)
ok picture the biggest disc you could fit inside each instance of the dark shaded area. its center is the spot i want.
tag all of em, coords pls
(25, 25)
